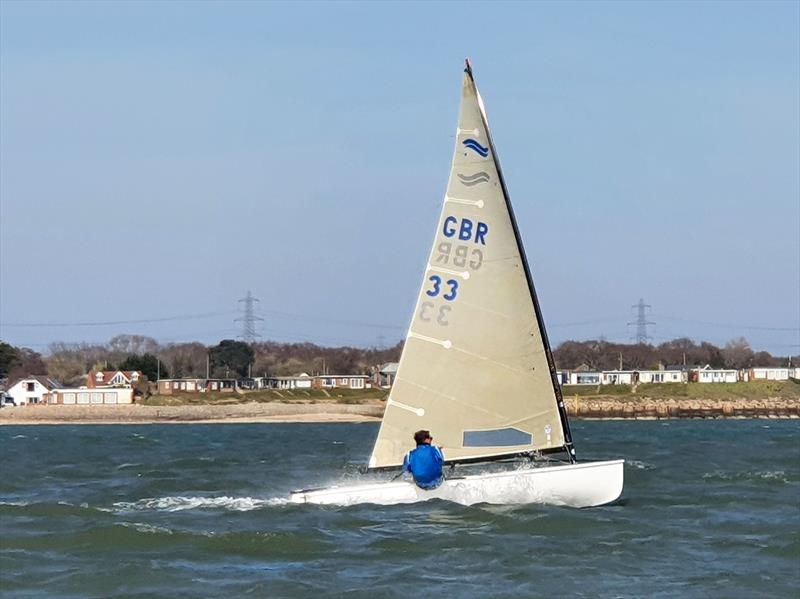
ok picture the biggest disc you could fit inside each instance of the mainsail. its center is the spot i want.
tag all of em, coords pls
(476, 368)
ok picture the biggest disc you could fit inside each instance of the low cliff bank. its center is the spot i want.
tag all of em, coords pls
(682, 408)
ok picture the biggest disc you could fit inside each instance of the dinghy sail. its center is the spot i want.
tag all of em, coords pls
(476, 368)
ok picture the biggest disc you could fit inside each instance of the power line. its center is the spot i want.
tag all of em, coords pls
(325, 320)
(584, 322)
(728, 325)
(117, 322)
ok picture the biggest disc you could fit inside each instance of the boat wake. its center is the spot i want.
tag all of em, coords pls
(776, 476)
(639, 465)
(181, 503)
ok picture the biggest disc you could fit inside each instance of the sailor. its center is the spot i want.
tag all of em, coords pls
(425, 462)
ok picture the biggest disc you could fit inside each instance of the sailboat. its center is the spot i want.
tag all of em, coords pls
(476, 368)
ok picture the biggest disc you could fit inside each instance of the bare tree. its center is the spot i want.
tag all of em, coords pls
(737, 353)
(185, 359)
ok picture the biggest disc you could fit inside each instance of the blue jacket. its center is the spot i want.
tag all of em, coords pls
(425, 465)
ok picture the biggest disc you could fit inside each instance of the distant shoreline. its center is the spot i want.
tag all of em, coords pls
(372, 411)
(240, 412)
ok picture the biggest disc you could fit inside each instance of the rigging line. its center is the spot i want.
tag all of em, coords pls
(585, 322)
(117, 322)
(290, 337)
(726, 325)
(331, 320)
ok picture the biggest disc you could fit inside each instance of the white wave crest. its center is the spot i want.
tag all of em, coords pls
(128, 465)
(146, 528)
(777, 475)
(639, 465)
(180, 503)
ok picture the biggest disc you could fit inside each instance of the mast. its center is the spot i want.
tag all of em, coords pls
(569, 448)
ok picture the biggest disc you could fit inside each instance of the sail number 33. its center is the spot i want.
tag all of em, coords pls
(437, 288)
(429, 310)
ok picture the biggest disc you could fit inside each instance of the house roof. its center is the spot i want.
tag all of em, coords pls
(707, 368)
(110, 374)
(42, 379)
(389, 368)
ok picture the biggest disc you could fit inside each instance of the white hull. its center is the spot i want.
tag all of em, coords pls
(573, 485)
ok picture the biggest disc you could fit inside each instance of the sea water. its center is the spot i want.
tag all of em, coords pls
(709, 509)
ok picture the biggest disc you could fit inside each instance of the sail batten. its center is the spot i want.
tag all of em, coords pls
(476, 368)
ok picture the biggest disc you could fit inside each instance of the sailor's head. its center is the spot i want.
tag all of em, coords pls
(422, 437)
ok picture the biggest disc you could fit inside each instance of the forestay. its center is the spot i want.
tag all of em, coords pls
(476, 368)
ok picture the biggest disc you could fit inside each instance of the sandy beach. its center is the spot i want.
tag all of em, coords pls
(244, 412)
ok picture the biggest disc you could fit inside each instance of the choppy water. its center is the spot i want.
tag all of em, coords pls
(710, 509)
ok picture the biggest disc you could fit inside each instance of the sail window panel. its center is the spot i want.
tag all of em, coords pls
(499, 437)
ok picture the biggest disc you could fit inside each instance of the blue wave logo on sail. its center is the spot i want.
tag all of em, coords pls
(474, 179)
(476, 147)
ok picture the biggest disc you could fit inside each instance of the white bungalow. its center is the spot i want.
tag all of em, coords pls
(341, 381)
(32, 390)
(764, 373)
(584, 378)
(706, 374)
(661, 376)
(616, 377)
(301, 381)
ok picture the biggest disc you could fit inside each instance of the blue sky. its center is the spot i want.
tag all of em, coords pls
(157, 160)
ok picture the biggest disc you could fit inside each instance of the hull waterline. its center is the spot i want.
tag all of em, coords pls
(574, 485)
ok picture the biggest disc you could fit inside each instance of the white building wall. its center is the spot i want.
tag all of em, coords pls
(329, 381)
(717, 376)
(28, 391)
(292, 383)
(584, 378)
(660, 376)
(770, 374)
(616, 377)
(106, 396)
